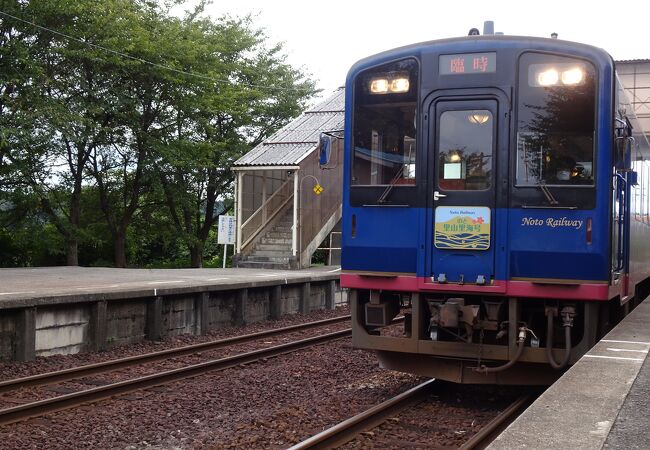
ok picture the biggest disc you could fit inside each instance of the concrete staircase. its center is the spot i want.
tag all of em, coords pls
(273, 250)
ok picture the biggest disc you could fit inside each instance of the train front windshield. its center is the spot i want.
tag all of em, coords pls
(555, 121)
(384, 125)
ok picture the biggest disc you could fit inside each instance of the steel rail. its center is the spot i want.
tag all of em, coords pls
(348, 429)
(115, 364)
(490, 431)
(41, 407)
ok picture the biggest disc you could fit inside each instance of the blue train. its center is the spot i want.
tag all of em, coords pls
(488, 186)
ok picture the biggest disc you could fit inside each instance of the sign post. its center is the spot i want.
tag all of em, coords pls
(226, 234)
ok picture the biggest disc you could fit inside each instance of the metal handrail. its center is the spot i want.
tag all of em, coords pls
(248, 236)
(268, 200)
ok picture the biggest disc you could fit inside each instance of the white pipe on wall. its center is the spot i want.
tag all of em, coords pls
(238, 207)
(294, 238)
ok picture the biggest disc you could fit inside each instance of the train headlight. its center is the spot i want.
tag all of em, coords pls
(398, 85)
(562, 74)
(573, 76)
(549, 77)
(379, 85)
(390, 83)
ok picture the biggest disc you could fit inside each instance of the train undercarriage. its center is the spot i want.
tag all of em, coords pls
(478, 339)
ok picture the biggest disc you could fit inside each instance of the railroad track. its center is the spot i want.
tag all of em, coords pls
(121, 363)
(375, 416)
(489, 432)
(350, 428)
(71, 400)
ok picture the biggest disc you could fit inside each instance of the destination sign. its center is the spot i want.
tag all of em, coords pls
(468, 63)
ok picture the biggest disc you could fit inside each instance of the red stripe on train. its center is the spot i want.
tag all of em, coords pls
(406, 283)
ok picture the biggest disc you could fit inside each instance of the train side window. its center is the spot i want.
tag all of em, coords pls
(642, 193)
(637, 194)
(646, 181)
(645, 196)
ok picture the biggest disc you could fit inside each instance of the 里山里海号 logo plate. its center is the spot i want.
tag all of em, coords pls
(462, 227)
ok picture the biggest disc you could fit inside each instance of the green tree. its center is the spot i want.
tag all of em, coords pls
(123, 169)
(66, 112)
(122, 102)
(217, 121)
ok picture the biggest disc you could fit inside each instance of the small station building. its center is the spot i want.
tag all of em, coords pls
(287, 201)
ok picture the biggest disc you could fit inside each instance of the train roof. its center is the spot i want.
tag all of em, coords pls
(468, 44)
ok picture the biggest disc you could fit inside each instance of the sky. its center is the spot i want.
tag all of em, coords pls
(326, 38)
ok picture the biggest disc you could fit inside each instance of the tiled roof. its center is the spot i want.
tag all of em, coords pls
(299, 137)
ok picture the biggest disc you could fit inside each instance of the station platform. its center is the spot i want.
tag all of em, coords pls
(600, 402)
(60, 310)
(20, 287)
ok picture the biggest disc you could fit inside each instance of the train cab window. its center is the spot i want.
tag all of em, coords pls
(465, 150)
(384, 135)
(556, 121)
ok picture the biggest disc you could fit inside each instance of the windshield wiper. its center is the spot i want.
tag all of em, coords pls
(384, 195)
(547, 193)
(398, 175)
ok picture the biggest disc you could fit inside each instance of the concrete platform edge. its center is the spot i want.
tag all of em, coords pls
(41, 313)
(579, 410)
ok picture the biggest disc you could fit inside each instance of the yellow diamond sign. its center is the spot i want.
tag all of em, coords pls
(318, 189)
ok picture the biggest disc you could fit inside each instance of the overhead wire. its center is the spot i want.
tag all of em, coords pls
(151, 63)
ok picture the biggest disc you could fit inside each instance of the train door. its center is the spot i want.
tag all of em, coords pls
(464, 166)
(621, 208)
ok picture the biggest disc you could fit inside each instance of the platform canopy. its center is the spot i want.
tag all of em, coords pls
(635, 76)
